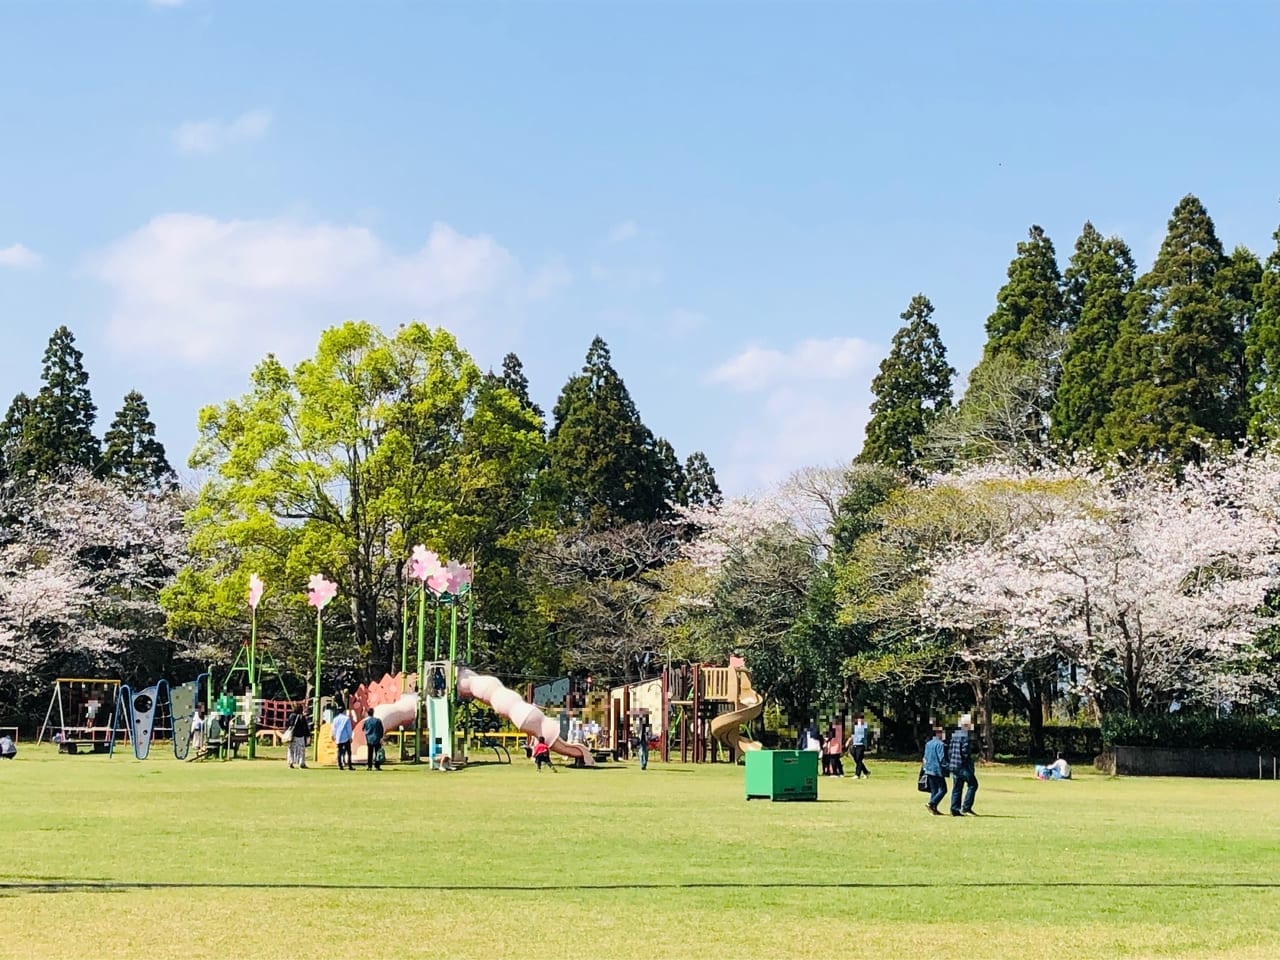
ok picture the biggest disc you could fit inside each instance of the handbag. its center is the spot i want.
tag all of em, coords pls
(922, 784)
(286, 736)
(380, 755)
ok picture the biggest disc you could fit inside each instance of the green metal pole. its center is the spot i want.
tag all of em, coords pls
(404, 642)
(453, 628)
(315, 701)
(253, 683)
(471, 611)
(437, 629)
(422, 680)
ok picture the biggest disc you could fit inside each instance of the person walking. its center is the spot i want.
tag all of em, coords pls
(299, 728)
(342, 729)
(960, 760)
(858, 747)
(935, 770)
(373, 732)
(643, 745)
(833, 750)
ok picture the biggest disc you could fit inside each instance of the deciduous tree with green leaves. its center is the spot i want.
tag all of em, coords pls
(340, 466)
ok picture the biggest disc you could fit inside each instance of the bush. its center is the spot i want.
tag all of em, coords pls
(1183, 730)
(1071, 740)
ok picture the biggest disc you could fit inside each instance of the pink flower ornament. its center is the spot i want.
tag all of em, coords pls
(320, 591)
(256, 587)
(424, 564)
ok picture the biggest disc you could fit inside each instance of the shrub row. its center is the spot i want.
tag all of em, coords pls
(1072, 740)
(1183, 729)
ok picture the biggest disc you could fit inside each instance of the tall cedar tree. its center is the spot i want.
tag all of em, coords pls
(604, 459)
(1263, 339)
(132, 454)
(1237, 284)
(912, 387)
(62, 415)
(1172, 365)
(13, 438)
(514, 379)
(700, 487)
(1097, 283)
(1028, 322)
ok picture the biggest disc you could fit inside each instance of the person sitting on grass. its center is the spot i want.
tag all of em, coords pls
(7, 749)
(541, 754)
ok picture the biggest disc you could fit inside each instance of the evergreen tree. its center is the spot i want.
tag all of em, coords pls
(1027, 328)
(514, 379)
(1263, 352)
(1097, 284)
(62, 414)
(132, 454)
(671, 471)
(14, 441)
(603, 458)
(1172, 363)
(1029, 308)
(700, 487)
(912, 387)
(1237, 287)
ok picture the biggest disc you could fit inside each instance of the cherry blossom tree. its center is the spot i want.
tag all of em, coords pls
(1153, 587)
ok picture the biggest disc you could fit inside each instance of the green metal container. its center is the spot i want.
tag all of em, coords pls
(782, 774)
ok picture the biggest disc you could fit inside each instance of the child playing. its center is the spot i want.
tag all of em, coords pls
(541, 754)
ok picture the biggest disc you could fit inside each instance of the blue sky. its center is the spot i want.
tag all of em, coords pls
(740, 198)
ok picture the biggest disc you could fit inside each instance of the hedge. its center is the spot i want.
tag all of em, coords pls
(1073, 740)
(1192, 730)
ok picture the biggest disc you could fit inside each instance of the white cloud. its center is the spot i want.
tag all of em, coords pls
(209, 136)
(19, 257)
(759, 368)
(623, 231)
(200, 291)
(813, 409)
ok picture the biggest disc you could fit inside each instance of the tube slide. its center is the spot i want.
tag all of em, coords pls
(524, 715)
(401, 713)
(727, 728)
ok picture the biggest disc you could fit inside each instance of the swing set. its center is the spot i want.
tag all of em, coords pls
(85, 715)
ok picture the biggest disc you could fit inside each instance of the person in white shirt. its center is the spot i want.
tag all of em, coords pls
(196, 748)
(341, 728)
(7, 749)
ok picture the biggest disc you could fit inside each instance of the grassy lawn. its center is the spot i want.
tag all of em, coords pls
(115, 858)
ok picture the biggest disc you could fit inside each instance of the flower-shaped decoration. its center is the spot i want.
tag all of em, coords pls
(424, 564)
(320, 591)
(255, 590)
(459, 576)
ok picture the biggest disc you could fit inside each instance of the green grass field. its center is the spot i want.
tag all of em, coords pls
(115, 858)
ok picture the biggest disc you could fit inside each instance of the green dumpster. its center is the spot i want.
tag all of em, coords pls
(782, 774)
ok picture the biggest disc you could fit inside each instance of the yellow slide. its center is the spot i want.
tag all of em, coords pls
(727, 728)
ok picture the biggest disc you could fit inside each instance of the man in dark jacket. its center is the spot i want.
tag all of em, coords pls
(373, 732)
(960, 760)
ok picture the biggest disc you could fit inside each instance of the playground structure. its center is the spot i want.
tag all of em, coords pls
(428, 713)
(695, 708)
(85, 714)
(136, 714)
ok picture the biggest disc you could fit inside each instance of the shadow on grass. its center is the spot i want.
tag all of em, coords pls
(52, 885)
